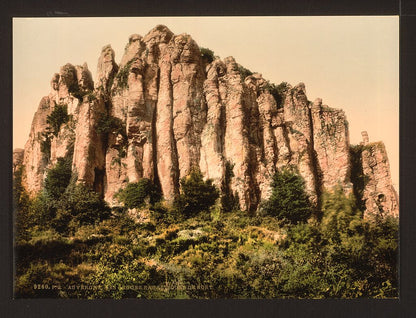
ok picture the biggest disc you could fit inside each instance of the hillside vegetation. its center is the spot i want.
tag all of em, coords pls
(70, 244)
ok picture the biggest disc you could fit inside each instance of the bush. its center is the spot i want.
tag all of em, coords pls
(91, 96)
(122, 77)
(58, 177)
(79, 205)
(196, 194)
(339, 214)
(45, 144)
(361, 256)
(207, 55)
(58, 117)
(278, 92)
(288, 200)
(136, 195)
(85, 205)
(244, 72)
(43, 210)
(21, 202)
(109, 124)
(162, 213)
(229, 200)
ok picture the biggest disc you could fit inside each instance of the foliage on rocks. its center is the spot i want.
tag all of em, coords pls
(136, 195)
(196, 194)
(244, 72)
(207, 55)
(58, 117)
(278, 92)
(122, 76)
(288, 200)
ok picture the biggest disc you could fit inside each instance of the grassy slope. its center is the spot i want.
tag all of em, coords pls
(226, 255)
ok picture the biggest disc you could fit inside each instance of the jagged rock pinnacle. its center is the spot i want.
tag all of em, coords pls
(173, 111)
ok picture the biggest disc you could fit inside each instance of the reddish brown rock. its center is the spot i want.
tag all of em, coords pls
(298, 126)
(62, 143)
(331, 145)
(269, 158)
(167, 160)
(106, 70)
(236, 143)
(133, 49)
(188, 109)
(37, 149)
(379, 194)
(89, 152)
(18, 155)
(168, 111)
(212, 138)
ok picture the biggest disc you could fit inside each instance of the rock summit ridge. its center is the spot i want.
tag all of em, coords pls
(165, 110)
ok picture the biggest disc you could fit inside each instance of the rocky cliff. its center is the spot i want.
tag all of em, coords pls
(168, 108)
(379, 195)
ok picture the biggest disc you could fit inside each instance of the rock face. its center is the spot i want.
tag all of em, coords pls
(331, 146)
(379, 194)
(18, 154)
(165, 110)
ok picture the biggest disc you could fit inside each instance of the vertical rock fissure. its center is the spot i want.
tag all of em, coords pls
(174, 151)
(315, 168)
(156, 179)
(357, 175)
(285, 131)
(251, 123)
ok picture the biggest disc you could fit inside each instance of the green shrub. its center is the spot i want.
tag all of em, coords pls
(43, 209)
(122, 77)
(45, 144)
(196, 194)
(108, 124)
(78, 94)
(58, 177)
(58, 116)
(21, 204)
(162, 213)
(339, 214)
(278, 92)
(288, 200)
(84, 205)
(78, 205)
(136, 195)
(244, 72)
(207, 55)
(91, 96)
(229, 200)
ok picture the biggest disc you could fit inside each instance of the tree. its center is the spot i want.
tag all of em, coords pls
(229, 200)
(361, 255)
(288, 200)
(207, 55)
(58, 117)
(57, 178)
(21, 203)
(196, 194)
(135, 195)
(340, 215)
(279, 92)
(80, 205)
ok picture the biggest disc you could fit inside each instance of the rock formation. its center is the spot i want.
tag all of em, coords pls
(18, 154)
(165, 110)
(379, 194)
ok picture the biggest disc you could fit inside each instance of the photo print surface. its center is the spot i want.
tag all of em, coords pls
(206, 157)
